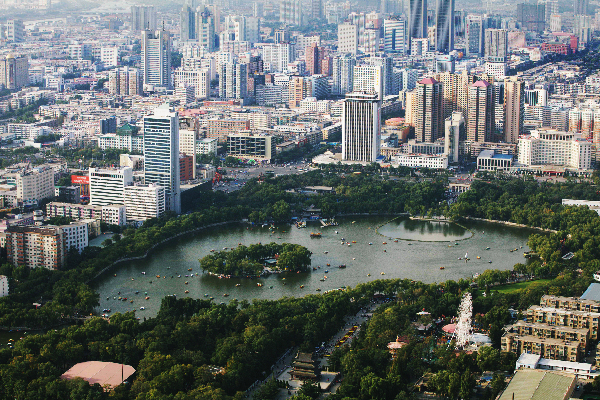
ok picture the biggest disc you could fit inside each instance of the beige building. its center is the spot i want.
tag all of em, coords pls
(251, 146)
(14, 72)
(480, 121)
(567, 333)
(514, 109)
(35, 185)
(555, 349)
(428, 119)
(570, 318)
(570, 303)
(35, 247)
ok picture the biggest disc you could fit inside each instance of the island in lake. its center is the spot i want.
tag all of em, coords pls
(257, 259)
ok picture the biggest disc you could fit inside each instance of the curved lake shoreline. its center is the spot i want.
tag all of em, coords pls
(403, 259)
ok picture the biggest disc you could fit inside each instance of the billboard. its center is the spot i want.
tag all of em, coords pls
(80, 179)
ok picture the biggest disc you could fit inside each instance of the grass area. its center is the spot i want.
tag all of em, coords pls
(520, 286)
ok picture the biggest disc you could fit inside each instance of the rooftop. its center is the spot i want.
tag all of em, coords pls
(103, 373)
(592, 292)
(533, 384)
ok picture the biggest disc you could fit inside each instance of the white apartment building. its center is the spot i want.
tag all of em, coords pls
(347, 38)
(107, 185)
(121, 141)
(551, 147)
(432, 161)
(75, 235)
(114, 214)
(260, 120)
(276, 57)
(311, 104)
(207, 146)
(199, 79)
(143, 202)
(35, 185)
(109, 56)
(3, 286)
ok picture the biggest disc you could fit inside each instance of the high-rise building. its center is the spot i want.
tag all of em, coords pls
(15, 30)
(206, 27)
(199, 79)
(455, 133)
(107, 185)
(348, 38)
(361, 127)
(258, 9)
(316, 9)
(417, 22)
(312, 57)
(390, 86)
(514, 109)
(233, 81)
(532, 16)
(395, 35)
(496, 45)
(290, 12)
(369, 79)
(343, 74)
(143, 202)
(480, 127)
(276, 57)
(444, 26)
(143, 18)
(408, 79)
(581, 7)
(429, 120)
(156, 59)
(391, 7)
(125, 82)
(14, 72)
(474, 35)
(187, 23)
(241, 28)
(161, 154)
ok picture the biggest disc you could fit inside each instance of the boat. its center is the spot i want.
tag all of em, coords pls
(301, 286)
(142, 308)
(490, 261)
(322, 280)
(144, 273)
(186, 282)
(478, 257)
(354, 241)
(225, 295)
(442, 267)
(205, 294)
(329, 265)
(237, 285)
(383, 273)
(370, 244)
(147, 297)
(395, 240)
(271, 287)
(487, 248)
(187, 291)
(336, 232)
(189, 269)
(354, 258)
(318, 290)
(131, 301)
(259, 284)
(349, 245)
(326, 271)
(342, 266)
(368, 274)
(158, 276)
(325, 252)
(384, 242)
(315, 234)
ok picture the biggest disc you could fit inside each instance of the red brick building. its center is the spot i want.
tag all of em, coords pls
(186, 167)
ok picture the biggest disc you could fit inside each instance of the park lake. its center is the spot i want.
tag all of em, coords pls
(413, 249)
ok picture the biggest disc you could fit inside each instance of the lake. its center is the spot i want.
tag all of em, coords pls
(373, 247)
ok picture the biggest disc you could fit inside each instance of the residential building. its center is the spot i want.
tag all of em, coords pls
(233, 81)
(161, 154)
(75, 236)
(361, 127)
(531, 16)
(514, 105)
(207, 146)
(14, 72)
(34, 185)
(127, 137)
(369, 79)
(15, 30)
(187, 146)
(3, 286)
(290, 12)
(455, 132)
(428, 119)
(199, 79)
(556, 349)
(74, 211)
(106, 185)
(480, 126)
(35, 247)
(560, 317)
(142, 18)
(143, 202)
(114, 214)
(569, 303)
(221, 128)
(343, 74)
(348, 38)
(125, 82)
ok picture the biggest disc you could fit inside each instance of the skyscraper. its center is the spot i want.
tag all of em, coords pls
(395, 35)
(514, 109)
(474, 35)
(361, 127)
(161, 154)
(417, 22)
(347, 38)
(142, 18)
(387, 63)
(496, 50)
(316, 9)
(14, 72)
(343, 74)
(205, 25)
(187, 23)
(290, 12)
(480, 126)
(444, 23)
(429, 120)
(156, 59)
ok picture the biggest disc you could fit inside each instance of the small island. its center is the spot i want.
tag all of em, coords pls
(257, 259)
